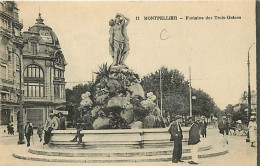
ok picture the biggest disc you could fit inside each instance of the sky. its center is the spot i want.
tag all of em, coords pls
(216, 50)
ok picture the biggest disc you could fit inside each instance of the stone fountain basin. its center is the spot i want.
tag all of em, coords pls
(125, 138)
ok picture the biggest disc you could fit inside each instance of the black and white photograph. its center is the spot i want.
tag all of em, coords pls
(129, 83)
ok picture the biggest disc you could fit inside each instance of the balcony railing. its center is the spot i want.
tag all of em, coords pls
(59, 79)
(35, 99)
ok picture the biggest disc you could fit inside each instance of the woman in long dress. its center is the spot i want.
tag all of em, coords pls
(252, 130)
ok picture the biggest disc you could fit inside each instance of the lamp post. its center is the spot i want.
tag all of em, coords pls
(249, 89)
(190, 93)
(161, 92)
(20, 112)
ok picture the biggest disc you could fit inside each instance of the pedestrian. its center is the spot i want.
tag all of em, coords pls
(62, 124)
(51, 124)
(84, 123)
(223, 129)
(11, 129)
(40, 131)
(176, 136)
(252, 128)
(203, 128)
(28, 132)
(194, 139)
(8, 128)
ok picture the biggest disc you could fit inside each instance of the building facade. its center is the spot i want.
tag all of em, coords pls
(11, 82)
(43, 73)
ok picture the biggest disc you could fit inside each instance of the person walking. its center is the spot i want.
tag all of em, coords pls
(194, 139)
(51, 124)
(203, 128)
(28, 132)
(223, 129)
(62, 121)
(40, 131)
(252, 128)
(176, 136)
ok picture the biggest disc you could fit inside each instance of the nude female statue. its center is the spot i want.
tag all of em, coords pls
(118, 41)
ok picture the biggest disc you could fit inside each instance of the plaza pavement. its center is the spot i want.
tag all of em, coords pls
(240, 153)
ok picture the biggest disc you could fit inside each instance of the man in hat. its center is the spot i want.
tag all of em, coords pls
(28, 132)
(194, 139)
(50, 124)
(176, 136)
(223, 129)
(203, 128)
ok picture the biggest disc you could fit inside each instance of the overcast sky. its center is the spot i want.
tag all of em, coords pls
(216, 50)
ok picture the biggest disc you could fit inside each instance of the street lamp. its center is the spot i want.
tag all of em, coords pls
(249, 89)
(20, 114)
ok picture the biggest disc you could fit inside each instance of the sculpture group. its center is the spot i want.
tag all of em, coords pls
(118, 41)
(117, 99)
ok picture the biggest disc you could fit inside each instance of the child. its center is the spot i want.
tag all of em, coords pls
(40, 131)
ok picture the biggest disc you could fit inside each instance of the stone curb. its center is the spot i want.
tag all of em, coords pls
(34, 157)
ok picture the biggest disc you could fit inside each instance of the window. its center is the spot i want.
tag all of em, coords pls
(33, 81)
(17, 61)
(59, 73)
(62, 93)
(34, 89)
(57, 91)
(34, 48)
(33, 71)
(59, 60)
(4, 71)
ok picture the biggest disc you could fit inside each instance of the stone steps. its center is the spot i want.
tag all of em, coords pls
(110, 152)
(111, 159)
(114, 145)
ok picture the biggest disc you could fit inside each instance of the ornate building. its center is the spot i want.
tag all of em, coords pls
(43, 76)
(10, 62)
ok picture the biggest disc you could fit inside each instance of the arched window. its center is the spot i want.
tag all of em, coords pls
(33, 81)
(59, 60)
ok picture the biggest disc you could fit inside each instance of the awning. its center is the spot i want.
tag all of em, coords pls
(63, 112)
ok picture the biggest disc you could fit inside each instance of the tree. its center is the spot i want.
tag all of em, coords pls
(203, 104)
(175, 90)
(73, 97)
(175, 94)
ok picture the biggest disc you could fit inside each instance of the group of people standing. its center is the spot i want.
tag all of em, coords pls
(52, 123)
(224, 128)
(198, 127)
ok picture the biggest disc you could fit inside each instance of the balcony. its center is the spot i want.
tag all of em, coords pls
(59, 100)
(59, 79)
(36, 99)
(9, 100)
(6, 32)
